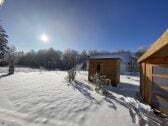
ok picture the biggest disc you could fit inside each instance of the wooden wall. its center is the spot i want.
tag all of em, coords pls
(110, 68)
(153, 84)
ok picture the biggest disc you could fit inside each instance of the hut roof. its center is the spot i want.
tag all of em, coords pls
(158, 49)
(125, 57)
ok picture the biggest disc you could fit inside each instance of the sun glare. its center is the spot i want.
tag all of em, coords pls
(1, 2)
(44, 38)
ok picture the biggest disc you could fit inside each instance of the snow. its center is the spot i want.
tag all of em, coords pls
(33, 98)
(125, 57)
(20, 69)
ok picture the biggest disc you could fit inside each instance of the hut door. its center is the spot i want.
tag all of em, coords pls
(98, 68)
(160, 87)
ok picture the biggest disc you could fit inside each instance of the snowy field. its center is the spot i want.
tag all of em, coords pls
(34, 98)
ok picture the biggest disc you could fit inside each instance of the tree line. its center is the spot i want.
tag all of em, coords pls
(55, 59)
(48, 58)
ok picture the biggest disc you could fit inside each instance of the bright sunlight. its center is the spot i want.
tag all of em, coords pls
(1, 2)
(44, 38)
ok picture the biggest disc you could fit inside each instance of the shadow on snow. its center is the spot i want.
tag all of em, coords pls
(137, 113)
(85, 90)
(5, 75)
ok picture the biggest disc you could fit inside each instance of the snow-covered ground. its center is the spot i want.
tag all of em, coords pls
(21, 69)
(34, 98)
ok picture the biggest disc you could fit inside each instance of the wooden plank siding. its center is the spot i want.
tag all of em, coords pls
(160, 87)
(148, 83)
(154, 86)
(109, 67)
(154, 74)
(142, 80)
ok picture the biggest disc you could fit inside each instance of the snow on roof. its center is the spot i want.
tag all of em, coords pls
(125, 57)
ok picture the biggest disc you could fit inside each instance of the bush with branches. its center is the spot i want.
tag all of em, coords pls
(71, 75)
(99, 81)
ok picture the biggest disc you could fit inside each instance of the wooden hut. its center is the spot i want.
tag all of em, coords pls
(154, 74)
(106, 66)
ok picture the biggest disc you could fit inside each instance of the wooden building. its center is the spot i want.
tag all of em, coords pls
(154, 74)
(105, 65)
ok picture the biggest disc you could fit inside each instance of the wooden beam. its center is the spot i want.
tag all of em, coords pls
(159, 75)
(158, 45)
(161, 98)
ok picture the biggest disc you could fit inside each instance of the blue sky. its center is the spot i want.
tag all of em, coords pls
(84, 24)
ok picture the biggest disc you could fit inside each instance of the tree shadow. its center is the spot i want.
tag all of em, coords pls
(125, 89)
(109, 97)
(137, 112)
(84, 89)
(5, 75)
(111, 104)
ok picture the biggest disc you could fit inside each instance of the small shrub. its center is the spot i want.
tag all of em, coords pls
(71, 75)
(105, 92)
(99, 81)
(97, 89)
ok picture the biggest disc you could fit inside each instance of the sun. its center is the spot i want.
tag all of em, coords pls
(1, 2)
(44, 38)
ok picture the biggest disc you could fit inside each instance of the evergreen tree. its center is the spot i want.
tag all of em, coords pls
(3, 42)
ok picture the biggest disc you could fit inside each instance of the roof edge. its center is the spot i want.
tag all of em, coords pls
(158, 44)
(102, 58)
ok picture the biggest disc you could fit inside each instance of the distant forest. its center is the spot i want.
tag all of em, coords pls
(55, 59)
(48, 58)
